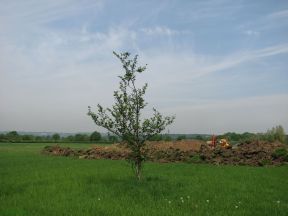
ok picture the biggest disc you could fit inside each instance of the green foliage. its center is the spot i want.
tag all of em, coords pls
(81, 137)
(196, 158)
(56, 137)
(95, 136)
(167, 138)
(157, 137)
(161, 137)
(27, 137)
(280, 153)
(112, 138)
(199, 137)
(123, 119)
(265, 162)
(181, 137)
(84, 138)
(70, 138)
(38, 139)
(13, 136)
(232, 136)
(276, 134)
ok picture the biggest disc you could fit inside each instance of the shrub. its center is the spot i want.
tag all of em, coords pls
(275, 134)
(280, 153)
(265, 162)
(196, 158)
(181, 137)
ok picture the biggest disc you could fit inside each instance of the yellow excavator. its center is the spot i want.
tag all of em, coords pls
(222, 142)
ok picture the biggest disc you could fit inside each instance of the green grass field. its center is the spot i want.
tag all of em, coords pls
(35, 184)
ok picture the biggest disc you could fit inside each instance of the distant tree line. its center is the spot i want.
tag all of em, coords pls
(14, 136)
(274, 134)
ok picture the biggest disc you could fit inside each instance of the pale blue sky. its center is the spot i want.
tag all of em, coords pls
(218, 65)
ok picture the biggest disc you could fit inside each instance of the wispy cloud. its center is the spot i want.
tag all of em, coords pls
(278, 14)
(53, 54)
(251, 33)
(196, 65)
(162, 30)
(245, 56)
(263, 25)
(35, 11)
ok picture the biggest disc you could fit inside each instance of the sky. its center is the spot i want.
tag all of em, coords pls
(217, 65)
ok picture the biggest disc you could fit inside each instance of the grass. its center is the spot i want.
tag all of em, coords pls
(35, 184)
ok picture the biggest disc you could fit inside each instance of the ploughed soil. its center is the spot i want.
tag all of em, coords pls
(256, 153)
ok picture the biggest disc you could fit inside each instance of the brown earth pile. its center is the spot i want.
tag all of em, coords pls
(256, 153)
(173, 151)
(182, 145)
(114, 152)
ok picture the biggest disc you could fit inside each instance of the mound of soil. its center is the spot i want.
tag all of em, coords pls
(114, 152)
(173, 151)
(256, 153)
(182, 145)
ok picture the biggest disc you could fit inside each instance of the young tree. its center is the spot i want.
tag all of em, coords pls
(124, 118)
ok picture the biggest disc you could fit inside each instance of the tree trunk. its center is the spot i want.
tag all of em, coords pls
(138, 170)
